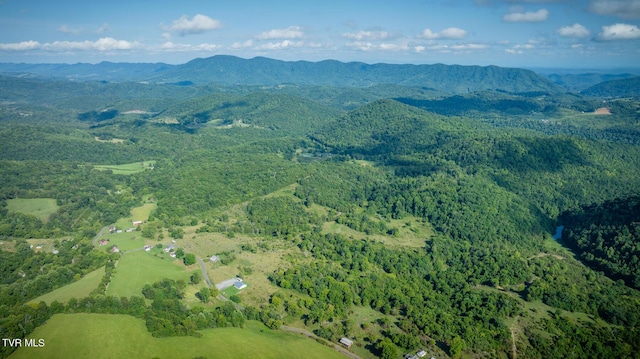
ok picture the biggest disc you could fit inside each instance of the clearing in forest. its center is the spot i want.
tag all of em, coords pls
(79, 289)
(127, 168)
(135, 269)
(39, 207)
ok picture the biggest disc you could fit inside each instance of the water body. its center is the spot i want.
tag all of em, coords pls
(558, 234)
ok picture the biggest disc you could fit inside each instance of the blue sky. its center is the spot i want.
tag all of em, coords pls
(514, 33)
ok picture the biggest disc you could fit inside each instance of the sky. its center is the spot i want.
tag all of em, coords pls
(581, 34)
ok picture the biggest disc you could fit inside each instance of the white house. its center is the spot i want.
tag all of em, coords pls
(240, 285)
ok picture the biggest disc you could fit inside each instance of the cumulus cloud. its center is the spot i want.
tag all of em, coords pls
(619, 32)
(102, 44)
(173, 47)
(537, 16)
(368, 35)
(575, 30)
(291, 32)
(285, 44)
(448, 33)
(196, 25)
(625, 9)
(20, 46)
(242, 45)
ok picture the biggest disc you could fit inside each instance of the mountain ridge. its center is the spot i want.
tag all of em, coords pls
(231, 70)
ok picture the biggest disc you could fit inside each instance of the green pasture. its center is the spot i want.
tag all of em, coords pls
(79, 289)
(142, 213)
(127, 168)
(125, 241)
(39, 207)
(120, 336)
(135, 269)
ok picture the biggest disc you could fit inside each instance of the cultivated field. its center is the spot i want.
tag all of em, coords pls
(79, 289)
(39, 207)
(120, 336)
(137, 268)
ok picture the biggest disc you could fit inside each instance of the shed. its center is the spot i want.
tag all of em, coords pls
(346, 342)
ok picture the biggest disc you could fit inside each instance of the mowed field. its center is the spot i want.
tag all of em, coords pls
(120, 336)
(79, 289)
(39, 207)
(135, 269)
(127, 168)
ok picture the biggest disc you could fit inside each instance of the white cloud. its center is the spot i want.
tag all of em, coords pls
(538, 16)
(196, 25)
(102, 44)
(291, 32)
(173, 47)
(626, 9)
(20, 46)
(619, 32)
(285, 44)
(575, 30)
(109, 43)
(64, 29)
(242, 45)
(368, 35)
(448, 33)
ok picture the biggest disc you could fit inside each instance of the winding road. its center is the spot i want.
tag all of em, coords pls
(204, 272)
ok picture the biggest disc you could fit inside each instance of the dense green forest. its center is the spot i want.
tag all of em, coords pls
(433, 210)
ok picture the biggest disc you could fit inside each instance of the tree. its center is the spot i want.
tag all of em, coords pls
(387, 349)
(189, 259)
(456, 347)
(196, 277)
(204, 294)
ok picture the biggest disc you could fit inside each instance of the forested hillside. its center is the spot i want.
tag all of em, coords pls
(401, 217)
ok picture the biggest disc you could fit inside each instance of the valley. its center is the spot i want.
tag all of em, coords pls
(406, 208)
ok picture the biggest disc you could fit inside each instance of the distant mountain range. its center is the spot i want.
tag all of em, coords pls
(230, 70)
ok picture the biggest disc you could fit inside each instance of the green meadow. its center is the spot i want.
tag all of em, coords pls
(39, 207)
(79, 289)
(135, 269)
(127, 168)
(120, 336)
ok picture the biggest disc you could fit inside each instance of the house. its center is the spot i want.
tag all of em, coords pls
(172, 254)
(147, 248)
(168, 248)
(130, 230)
(115, 249)
(347, 343)
(214, 258)
(118, 230)
(136, 223)
(112, 229)
(240, 285)
(421, 353)
(103, 242)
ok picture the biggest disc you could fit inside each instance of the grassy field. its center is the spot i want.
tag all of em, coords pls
(125, 241)
(127, 168)
(39, 207)
(120, 336)
(412, 232)
(79, 289)
(137, 268)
